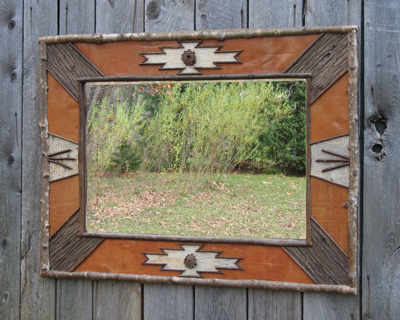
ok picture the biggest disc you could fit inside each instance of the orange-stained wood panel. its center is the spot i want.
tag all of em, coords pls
(62, 111)
(63, 201)
(259, 262)
(260, 55)
(329, 113)
(327, 200)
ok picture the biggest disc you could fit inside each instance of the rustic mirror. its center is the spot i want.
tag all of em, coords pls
(224, 158)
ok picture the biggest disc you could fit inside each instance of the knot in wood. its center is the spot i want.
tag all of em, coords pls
(190, 261)
(188, 57)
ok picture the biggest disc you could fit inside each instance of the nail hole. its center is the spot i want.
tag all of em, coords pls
(11, 24)
(377, 148)
(380, 126)
(4, 243)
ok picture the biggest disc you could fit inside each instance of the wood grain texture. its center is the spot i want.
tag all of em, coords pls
(66, 63)
(323, 261)
(117, 300)
(76, 16)
(274, 305)
(169, 15)
(331, 13)
(214, 14)
(116, 16)
(330, 306)
(275, 14)
(74, 299)
(11, 43)
(164, 302)
(220, 303)
(37, 294)
(67, 250)
(381, 238)
(326, 59)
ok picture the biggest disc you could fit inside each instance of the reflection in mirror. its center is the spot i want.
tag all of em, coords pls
(199, 158)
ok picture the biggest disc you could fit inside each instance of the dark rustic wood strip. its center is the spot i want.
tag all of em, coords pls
(326, 59)
(11, 74)
(324, 262)
(163, 302)
(66, 63)
(67, 250)
(220, 303)
(37, 294)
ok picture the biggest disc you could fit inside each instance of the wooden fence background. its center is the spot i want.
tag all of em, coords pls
(24, 295)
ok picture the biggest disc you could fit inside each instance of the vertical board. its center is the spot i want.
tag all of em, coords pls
(37, 294)
(215, 14)
(274, 305)
(275, 14)
(117, 300)
(76, 16)
(11, 23)
(381, 219)
(116, 16)
(329, 13)
(74, 299)
(220, 303)
(163, 302)
(169, 15)
(269, 304)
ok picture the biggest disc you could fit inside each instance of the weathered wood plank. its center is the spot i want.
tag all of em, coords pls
(163, 301)
(116, 16)
(74, 299)
(274, 305)
(275, 14)
(328, 13)
(220, 303)
(11, 68)
(381, 238)
(76, 16)
(169, 15)
(37, 294)
(215, 14)
(117, 300)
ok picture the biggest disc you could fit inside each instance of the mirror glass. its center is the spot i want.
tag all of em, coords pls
(197, 158)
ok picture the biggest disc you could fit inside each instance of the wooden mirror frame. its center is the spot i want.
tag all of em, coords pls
(328, 57)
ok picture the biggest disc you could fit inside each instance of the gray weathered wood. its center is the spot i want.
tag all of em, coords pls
(10, 155)
(381, 238)
(330, 306)
(220, 303)
(328, 13)
(117, 300)
(164, 302)
(169, 15)
(116, 16)
(37, 294)
(74, 299)
(215, 14)
(76, 16)
(274, 305)
(275, 14)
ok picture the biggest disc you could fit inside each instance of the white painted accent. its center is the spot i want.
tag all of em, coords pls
(206, 261)
(205, 58)
(57, 143)
(339, 145)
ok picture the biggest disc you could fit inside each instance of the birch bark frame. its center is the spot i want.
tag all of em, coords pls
(327, 262)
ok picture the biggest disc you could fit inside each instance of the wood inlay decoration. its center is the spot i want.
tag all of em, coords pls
(326, 59)
(191, 260)
(66, 63)
(330, 160)
(324, 261)
(67, 250)
(63, 157)
(189, 57)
